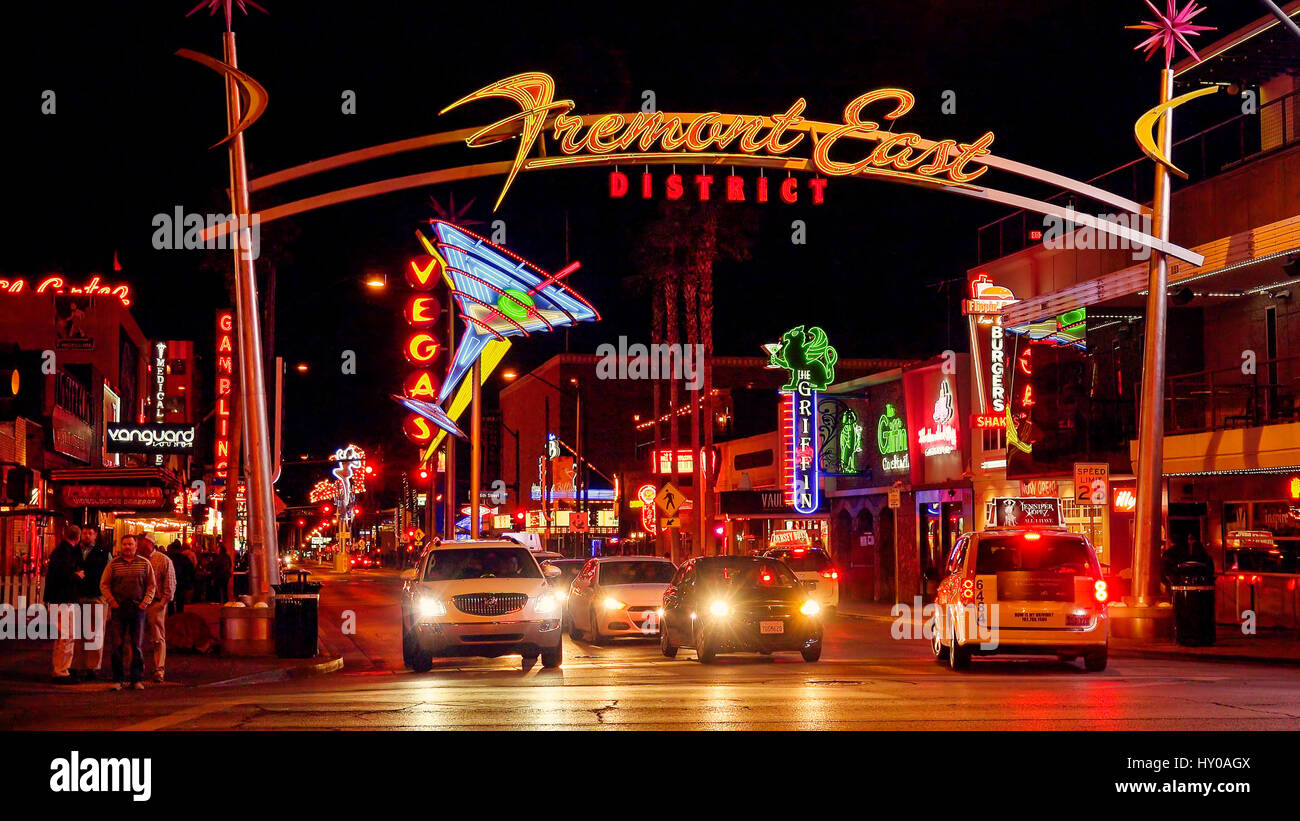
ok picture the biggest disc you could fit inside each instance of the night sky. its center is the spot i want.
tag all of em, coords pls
(1059, 84)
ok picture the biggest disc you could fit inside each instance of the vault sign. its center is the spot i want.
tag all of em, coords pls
(810, 360)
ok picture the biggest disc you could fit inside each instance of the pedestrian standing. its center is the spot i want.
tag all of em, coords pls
(63, 576)
(155, 619)
(184, 575)
(87, 659)
(221, 567)
(128, 587)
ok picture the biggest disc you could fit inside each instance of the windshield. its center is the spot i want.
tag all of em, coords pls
(741, 573)
(804, 561)
(481, 563)
(1051, 553)
(645, 572)
(570, 569)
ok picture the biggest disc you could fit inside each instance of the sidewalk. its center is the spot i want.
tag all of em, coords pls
(1268, 647)
(26, 665)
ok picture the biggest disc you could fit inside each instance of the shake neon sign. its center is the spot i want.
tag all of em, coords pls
(715, 137)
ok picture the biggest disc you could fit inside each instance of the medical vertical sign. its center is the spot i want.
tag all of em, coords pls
(810, 360)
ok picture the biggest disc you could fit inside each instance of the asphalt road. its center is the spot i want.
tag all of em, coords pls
(865, 680)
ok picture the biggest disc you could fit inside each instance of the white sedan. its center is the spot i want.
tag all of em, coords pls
(618, 596)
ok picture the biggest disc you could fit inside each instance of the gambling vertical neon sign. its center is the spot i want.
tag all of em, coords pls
(225, 381)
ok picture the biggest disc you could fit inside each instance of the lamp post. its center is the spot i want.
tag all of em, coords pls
(580, 478)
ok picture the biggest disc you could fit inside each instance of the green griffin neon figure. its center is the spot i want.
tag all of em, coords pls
(807, 355)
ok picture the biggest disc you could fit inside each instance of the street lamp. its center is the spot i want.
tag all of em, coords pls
(376, 281)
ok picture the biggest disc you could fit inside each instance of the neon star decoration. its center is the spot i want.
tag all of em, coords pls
(228, 7)
(1171, 30)
(499, 295)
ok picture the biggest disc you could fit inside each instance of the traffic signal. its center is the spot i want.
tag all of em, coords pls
(423, 474)
(356, 511)
(519, 515)
(302, 523)
(18, 485)
(410, 533)
(325, 509)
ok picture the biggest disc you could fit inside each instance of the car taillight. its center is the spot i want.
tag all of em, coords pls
(1033, 537)
(968, 589)
(830, 573)
(1099, 591)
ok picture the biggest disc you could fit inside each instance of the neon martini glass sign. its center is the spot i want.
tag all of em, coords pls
(499, 295)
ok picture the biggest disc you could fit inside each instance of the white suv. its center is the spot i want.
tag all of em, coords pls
(479, 599)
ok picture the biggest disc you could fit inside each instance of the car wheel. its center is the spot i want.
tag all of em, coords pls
(554, 656)
(705, 650)
(421, 661)
(595, 637)
(958, 654)
(408, 648)
(937, 646)
(812, 653)
(665, 646)
(1095, 661)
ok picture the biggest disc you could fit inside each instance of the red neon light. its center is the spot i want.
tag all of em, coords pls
(987, 421)
(421, 349)
(421, 311)
(225, 375)
(57, 285)
(423, 273)
(421, 385)
(790, 190)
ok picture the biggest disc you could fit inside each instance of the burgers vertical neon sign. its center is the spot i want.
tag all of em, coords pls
(810, 359)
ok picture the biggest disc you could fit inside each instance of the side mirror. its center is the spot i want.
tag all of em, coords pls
(550, 571)
(410, 575)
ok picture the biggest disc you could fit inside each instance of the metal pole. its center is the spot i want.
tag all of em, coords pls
(263, 541)
(449, 475)
(1151, 421)
(475, 452)
(1280, 15)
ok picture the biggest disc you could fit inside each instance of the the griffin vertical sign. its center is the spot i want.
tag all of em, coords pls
(810, 359)
(224, 383)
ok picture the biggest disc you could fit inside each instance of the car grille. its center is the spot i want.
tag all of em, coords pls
(489, 604)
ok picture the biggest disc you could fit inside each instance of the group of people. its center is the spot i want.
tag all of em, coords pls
(139, 585)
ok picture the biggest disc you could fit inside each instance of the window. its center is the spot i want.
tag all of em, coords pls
(811, 560)
(1051, 552)
(481, 563)
(636, 572)
(754, 459)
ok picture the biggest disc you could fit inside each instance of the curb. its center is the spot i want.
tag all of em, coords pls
(1218, 658)
(330, 664)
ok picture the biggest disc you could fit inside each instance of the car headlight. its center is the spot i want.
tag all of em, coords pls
(719, 608)
(561, 595)
(810, 608)
(612, 603)
(547, 605)
(429, 607)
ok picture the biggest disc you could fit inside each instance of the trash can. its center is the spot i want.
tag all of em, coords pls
(297, 611)
(1192, 589)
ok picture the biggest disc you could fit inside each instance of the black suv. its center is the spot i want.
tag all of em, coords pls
(748, 604)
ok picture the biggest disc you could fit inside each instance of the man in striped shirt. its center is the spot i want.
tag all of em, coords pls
(128, 585)
(155, 620)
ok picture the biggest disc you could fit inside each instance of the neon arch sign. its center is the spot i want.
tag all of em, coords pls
(711, 138)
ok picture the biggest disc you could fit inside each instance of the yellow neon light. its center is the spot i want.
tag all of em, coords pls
(493, 353)
(1145, 124)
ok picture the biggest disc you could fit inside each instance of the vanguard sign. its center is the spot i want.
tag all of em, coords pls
(158, 438)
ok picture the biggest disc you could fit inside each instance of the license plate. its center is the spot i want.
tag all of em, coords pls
(771, 627)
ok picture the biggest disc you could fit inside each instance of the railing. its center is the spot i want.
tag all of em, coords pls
(1212, 151)
(28, 586)
(1227, 398)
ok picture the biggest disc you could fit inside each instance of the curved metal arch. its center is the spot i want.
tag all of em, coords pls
(815, 129)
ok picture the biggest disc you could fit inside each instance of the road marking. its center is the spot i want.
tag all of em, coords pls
(181, 716)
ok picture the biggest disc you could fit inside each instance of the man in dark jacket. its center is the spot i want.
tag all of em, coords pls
(62, 586)
(94, 557)
(184, 574)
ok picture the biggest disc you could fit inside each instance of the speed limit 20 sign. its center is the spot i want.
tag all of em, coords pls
(1092, 483)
